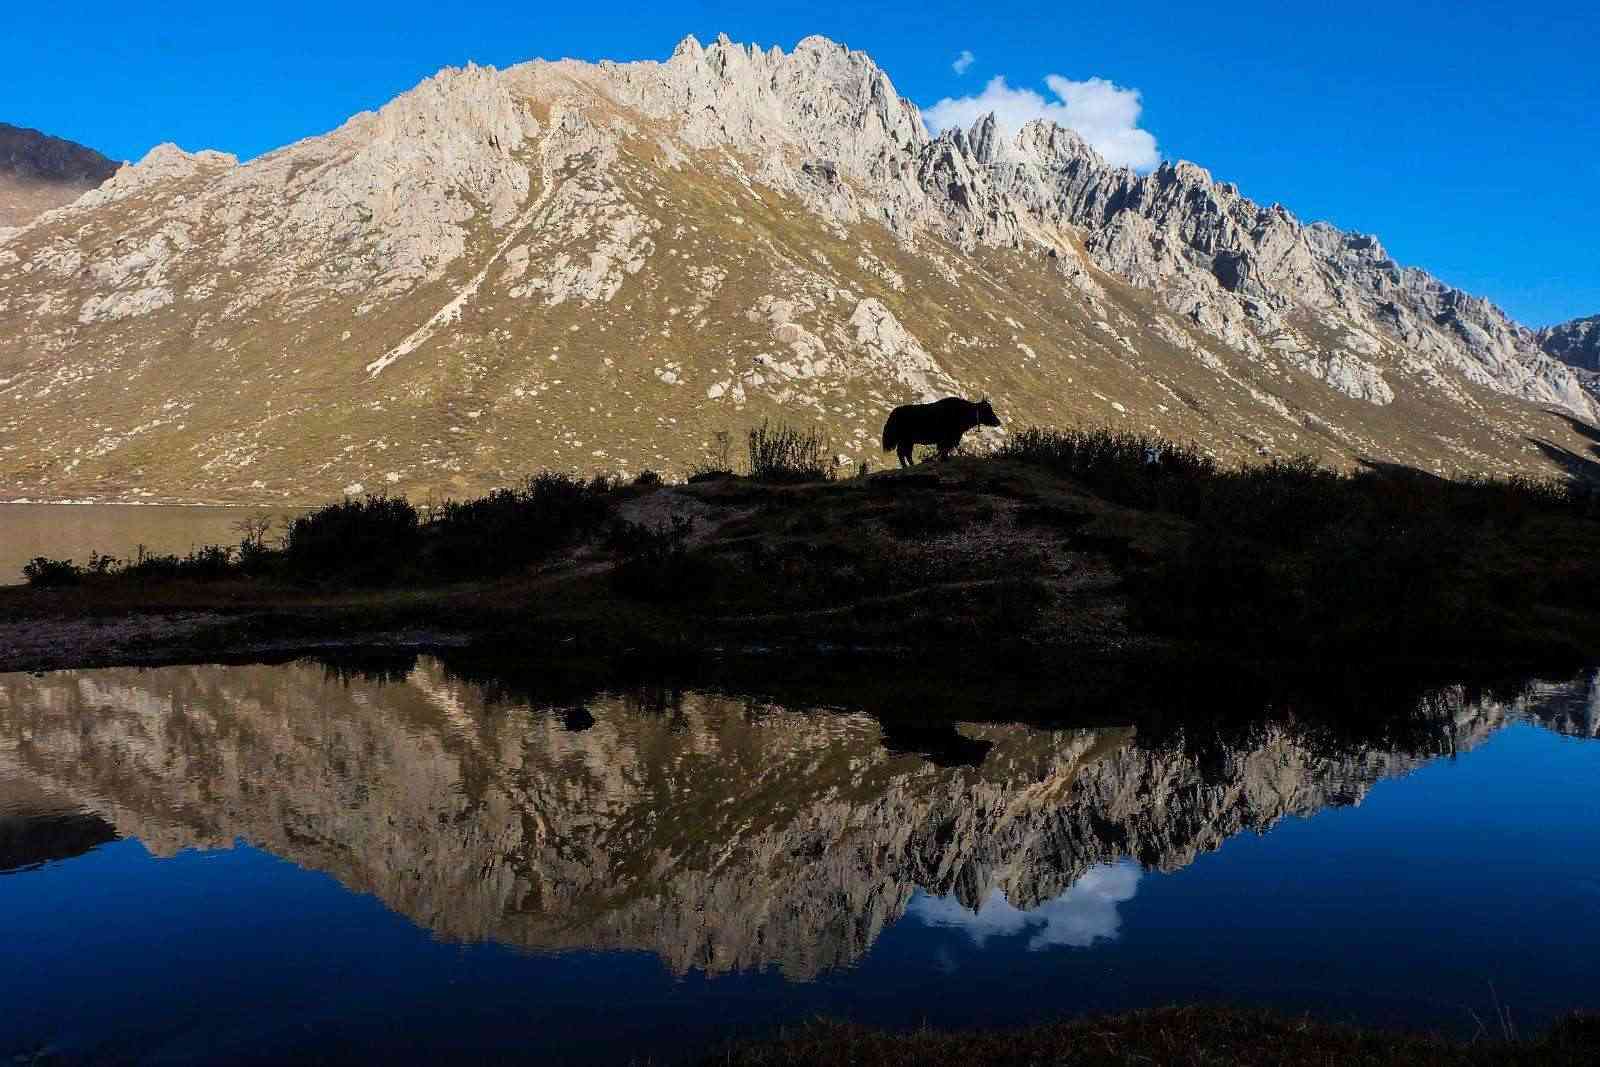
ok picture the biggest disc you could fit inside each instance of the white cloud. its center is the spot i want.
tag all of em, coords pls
(1078, 918)
(963, 61)
(1103, 114)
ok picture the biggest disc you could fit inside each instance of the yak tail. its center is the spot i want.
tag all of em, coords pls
(891, 436)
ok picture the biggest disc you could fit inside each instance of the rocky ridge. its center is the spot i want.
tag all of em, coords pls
(600, 266)
(718, 832)
(1577, 344)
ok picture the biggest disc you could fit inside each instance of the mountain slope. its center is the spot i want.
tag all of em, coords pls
(602, 266)
(39, 172)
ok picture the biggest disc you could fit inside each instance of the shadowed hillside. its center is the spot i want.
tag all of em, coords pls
(39, 172)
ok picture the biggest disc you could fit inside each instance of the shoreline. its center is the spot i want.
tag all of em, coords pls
(1072, 548)
(1149, 688)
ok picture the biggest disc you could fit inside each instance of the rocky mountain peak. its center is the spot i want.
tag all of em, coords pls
(1054, 145)
(575, 265)
(985, 139)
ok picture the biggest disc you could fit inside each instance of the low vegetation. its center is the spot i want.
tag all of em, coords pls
(1292, 555)
(1200, 1036)
(785, 454)
(381, 540)
(1101, 541)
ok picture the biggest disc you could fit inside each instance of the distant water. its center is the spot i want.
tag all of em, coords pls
(72, 531)
(278, 863)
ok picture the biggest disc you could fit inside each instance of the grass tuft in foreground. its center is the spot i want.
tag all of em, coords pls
(782, 453)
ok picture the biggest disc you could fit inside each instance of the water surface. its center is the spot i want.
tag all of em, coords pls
(72, 531)
(274, 862)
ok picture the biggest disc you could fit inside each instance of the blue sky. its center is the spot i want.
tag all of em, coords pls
(1466, 135)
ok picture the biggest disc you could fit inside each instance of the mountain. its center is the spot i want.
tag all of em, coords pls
(1576, 342)
(39, 172)
(602, 266)
(717, 831)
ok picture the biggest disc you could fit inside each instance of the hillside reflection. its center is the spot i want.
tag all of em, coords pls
(719, 832)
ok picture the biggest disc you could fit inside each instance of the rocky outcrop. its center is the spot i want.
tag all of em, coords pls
(1576, 343)
(717, 832)
(554, 264)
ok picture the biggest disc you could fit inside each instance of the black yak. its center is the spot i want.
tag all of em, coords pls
(940, 424)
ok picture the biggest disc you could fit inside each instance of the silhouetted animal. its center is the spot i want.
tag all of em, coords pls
(940, 424)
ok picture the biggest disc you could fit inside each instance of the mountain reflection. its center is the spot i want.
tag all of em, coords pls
(719, 832)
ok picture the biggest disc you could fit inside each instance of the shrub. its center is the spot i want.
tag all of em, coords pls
(208, 562)
(100, 566)
(51, 573)
(511, 528)
(145, 565)
(1295, 555)
(255, 557)
(782, 453)
(1285, 498)
(1129, 468)
(367, 541)
(655, 562)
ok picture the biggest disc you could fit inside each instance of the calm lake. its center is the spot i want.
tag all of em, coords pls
(272, 863)
(72, 531)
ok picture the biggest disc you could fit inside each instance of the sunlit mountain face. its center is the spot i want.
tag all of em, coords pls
(604, 266)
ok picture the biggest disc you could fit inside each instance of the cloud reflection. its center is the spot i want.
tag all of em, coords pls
(1078, 918)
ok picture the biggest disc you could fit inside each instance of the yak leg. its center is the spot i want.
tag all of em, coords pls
(905, 453)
